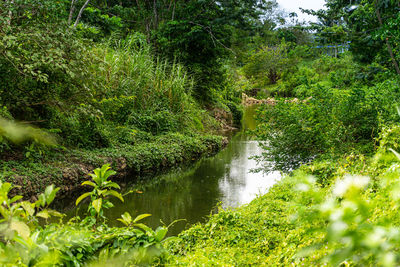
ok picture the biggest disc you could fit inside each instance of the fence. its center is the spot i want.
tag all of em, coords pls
(333, 50)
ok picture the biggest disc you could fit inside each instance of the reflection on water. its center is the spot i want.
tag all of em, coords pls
(239, 185)
(192, 194)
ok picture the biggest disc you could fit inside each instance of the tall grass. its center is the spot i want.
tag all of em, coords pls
(129, 70)
(131, 87)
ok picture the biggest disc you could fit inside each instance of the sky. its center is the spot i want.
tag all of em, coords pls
(293, 6)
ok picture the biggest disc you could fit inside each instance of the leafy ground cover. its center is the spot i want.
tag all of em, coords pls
(69, 168)
(329, 212)
(30, 239)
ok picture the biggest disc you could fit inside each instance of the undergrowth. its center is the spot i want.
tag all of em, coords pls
(329, 212)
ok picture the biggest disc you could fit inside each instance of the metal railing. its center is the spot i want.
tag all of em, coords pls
(334, 50)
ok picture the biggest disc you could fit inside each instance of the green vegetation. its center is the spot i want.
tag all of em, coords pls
(67, 169)
(336, 139)
(342, 109)
(26, 241)
(299, 222)
(338, 207)
(97, 96)
(142, 86)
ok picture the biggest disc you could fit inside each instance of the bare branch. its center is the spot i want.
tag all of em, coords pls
(80, 13)
(71, 11)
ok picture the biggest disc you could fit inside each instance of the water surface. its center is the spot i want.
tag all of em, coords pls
(192, 194)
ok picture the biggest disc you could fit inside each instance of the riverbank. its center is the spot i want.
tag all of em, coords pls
(187, 195)
(295, 223)
(67, 169)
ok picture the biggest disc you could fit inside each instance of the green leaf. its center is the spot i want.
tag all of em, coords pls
(114, 185)
(395, 153)
(20, 240)
(48, 190)
(42, 200)
(16, 198)
(28, 207)
(96, 176)
(97, 204)
(160, 233)
(21, 228)
(6, 187)
(55, 213)
(123, 221)
(4, 212)
(108, 174)
(141, 217)
(127, 217)
(143, 227)
(83, 196)
(43, 214)
(50, 193)
(89, 183)
(115, 194)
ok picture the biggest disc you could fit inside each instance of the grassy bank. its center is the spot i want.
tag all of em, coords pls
(68, 169)
(339, 204)
(304, 220)
(133, 110)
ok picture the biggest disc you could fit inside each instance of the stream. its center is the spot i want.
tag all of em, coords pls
(194, 193)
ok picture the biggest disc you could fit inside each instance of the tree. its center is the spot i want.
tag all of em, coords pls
(371, 27)
(80, 11)
(41, 63)
(200, 37)
(267, 64)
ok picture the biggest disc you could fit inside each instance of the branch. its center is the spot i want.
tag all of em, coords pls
(10, 13)
(71, 11)
(80, 13)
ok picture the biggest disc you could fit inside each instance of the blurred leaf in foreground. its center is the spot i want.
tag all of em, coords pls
(18, 133)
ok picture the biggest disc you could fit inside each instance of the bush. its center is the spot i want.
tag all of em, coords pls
(27, 236)
(337, 112)
(267, 65)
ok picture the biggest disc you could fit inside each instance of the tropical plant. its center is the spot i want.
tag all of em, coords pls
(102, 189)
(20, 218)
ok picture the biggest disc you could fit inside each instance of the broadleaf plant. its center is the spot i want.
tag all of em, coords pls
(102, 189)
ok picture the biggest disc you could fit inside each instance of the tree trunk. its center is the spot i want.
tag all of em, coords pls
(155, 14)
(273, 77)
(71, 11)
(78, 18)
(389, 47)
(173, 11)
(10, 13)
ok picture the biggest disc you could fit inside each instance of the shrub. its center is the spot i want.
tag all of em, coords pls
(25, 241)
(267, 65)
(337, 113)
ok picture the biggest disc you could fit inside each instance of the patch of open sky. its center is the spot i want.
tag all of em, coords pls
(294, 6)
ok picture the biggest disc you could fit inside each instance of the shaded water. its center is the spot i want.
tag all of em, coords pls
(192, 194)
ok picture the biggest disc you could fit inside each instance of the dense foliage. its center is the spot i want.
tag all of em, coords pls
(28, 239)
(136, 83)
(84, 71)
(336, 138)
(341, 106)
(299, 222)
(337, 205)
